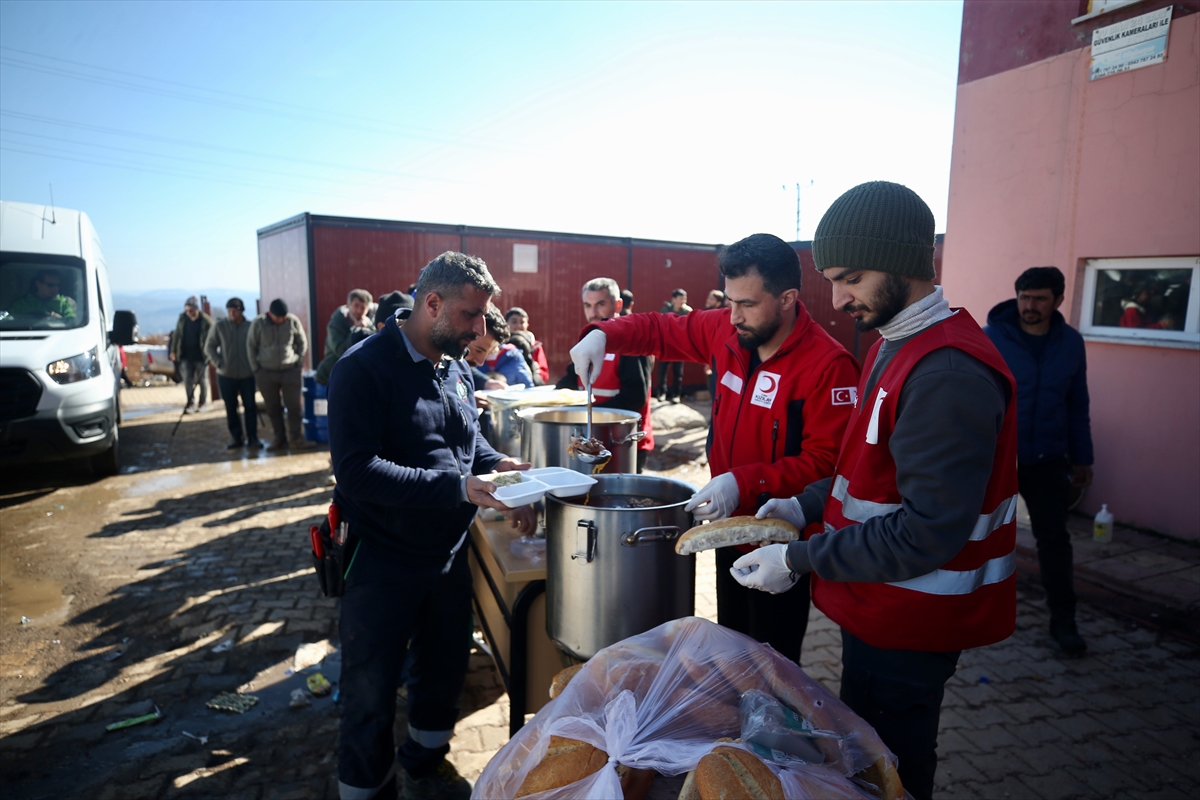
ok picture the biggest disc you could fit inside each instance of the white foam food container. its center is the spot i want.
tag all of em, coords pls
(563, 482)
(529, 490)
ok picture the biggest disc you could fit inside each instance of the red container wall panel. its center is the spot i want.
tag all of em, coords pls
(379, 261)
(552, 295)
(658, 271)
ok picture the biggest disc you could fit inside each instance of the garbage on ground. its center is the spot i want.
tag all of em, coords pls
(228, 701)
(129, 723)
(223, 646)
(300, 699)
(203, 740)
(113, 655)
(318, 685)
(25, 620)
(311, 654)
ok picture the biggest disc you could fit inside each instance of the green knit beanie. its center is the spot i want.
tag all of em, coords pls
(878, 225)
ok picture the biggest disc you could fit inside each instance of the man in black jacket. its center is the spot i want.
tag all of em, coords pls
(406, 448)
(1054, 435)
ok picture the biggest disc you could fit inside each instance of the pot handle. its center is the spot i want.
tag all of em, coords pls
(590, 551)
(658, 533)
(636, 436)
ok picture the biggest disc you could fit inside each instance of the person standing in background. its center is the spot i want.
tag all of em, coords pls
(1054, 433)
(518, 326)
(275, 347)
(226, 349)
(676, 305)
(626, 303)
(715, 299)
(187, 350)
(357, 315)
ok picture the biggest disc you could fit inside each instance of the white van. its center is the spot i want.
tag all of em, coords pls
(59, 365)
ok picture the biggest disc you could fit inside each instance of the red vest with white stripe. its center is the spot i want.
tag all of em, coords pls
(607, 385)
(971, 600)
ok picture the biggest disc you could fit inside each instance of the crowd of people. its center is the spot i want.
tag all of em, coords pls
(903, 472)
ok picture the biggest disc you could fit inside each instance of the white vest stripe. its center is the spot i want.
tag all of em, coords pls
(859, 510)
(605, 392)
(1005, 513)
(950, 582)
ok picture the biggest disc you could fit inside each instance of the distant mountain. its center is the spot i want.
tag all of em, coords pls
(158, 310)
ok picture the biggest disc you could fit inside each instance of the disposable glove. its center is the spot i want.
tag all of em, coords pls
(717, 500)
(784, 508)
(765, 569)
(588, 354)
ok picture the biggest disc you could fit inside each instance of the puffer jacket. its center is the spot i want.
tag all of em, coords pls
(1052, 394)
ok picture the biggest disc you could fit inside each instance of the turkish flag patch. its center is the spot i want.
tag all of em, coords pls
(845, 396)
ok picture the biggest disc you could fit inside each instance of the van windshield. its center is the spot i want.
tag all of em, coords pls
(41, 292)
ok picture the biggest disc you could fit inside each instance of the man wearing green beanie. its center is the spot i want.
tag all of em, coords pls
(917, 559)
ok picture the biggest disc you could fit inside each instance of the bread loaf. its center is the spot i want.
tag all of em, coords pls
(735, 530)
(729, 773)
(562, 678)
(570, 760)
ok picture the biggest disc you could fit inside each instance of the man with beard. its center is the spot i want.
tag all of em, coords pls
(784, 393)
(617, 381)
(406, 448)
(1054, 434)
(916, 560)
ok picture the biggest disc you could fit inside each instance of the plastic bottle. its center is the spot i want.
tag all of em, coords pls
(1102, 526)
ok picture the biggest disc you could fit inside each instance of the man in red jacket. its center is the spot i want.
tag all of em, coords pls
(784, 393)
(916, 559)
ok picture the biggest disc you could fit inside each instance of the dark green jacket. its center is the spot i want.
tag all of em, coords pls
(206, 323)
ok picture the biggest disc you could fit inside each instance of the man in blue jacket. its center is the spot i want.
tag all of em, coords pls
(406, 448)
(1054, 437)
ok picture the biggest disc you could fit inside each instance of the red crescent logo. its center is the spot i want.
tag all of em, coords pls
(770, 387)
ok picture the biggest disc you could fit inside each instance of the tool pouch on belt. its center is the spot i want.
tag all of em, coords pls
(330, 559)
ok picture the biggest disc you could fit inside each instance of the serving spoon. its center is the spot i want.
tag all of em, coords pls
(603, 455)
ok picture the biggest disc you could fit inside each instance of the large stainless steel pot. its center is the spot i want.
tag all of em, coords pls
(612, 573)
(505, 405)
(546, 432)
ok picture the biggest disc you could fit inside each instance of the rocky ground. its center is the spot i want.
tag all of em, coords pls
(188, 575)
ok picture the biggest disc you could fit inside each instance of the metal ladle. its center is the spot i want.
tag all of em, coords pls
(603, 455)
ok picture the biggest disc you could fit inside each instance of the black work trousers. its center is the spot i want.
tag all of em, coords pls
(779, 620)
(231, 390)
(899, 692)
(389, 602)
(1046, 488)
(676, 389)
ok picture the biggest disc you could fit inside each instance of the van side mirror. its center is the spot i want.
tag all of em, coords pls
(125, 329)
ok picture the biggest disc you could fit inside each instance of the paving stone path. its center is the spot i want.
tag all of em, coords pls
(149, 571)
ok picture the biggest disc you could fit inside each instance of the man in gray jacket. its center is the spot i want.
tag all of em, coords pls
(275, 348)
(226, 349)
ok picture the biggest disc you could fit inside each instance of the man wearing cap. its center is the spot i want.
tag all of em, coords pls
(276, 346)
(187, 350)
(917, 559)
(783, 398)
(226, 349)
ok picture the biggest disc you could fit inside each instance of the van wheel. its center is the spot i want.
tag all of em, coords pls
(108, 463)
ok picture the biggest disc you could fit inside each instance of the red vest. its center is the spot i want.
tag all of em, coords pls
(607, 385)
(971, 600)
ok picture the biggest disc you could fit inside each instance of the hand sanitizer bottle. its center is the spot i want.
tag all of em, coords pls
(1102, 526)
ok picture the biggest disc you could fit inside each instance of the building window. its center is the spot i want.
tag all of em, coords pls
(1154, 301)
(525, 258)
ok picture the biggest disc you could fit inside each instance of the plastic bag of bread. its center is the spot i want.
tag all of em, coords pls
(658, 702)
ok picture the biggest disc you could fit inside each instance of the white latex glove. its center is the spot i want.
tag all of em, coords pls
(717, 500)
(589, 353)
(784, 508)
(765, 569)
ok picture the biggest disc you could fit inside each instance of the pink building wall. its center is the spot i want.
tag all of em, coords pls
(1049, 168)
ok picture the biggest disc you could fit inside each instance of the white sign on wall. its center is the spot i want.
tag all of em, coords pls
(524, 258)
(1132, 44)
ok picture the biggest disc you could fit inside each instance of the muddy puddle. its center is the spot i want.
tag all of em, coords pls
(39, 601)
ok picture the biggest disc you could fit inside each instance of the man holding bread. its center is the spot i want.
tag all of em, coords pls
(783, 397)
(406, 448)
(916, 561)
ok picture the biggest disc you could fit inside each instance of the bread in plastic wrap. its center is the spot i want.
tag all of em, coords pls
(660, 700)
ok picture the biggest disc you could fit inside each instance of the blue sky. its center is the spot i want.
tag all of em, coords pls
(181, 128)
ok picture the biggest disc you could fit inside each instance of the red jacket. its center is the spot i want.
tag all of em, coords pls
(540, 363)
(970, 601)
(777, 430)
